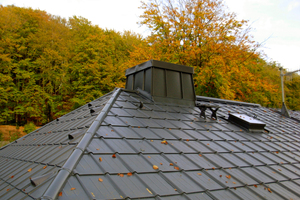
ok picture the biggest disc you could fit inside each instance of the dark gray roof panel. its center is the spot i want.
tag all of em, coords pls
(156, 151)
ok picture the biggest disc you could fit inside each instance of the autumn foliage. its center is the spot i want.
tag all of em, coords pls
(50, 65)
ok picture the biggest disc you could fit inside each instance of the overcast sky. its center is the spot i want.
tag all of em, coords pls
(274, 22)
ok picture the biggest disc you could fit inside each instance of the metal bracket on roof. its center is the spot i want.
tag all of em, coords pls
(212, 108)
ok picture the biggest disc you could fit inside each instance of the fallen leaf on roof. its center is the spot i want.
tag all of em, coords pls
(34, 139)
(277, 152)
(114, 156)
(149, 156)
(281, 162)
(151, 140)
(279, 169)
(60, 194)
(97, 149)
(199, 174)
(12, 176)
(176, 168)
(7, 189)
(187, 140)
(220, 175)
(226, 181)
(155, 167)
(200, 155)
(234, 182)
(160, 163)
(255, 186)
(148, 190)
(100, 179)
(213, 168)
(234, 188)
(207, 143)
(129, 174)
(29, 170)
(269, 190)
(175, 189)
(170, 129)
(171, 164)
(73, 189)
(121, 175)
(274, 172)
(164, 142)
(228, 176)
(112, 130)
(139, 127)
(24, 190)
(100, 159)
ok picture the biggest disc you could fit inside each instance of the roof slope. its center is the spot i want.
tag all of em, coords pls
(136, 148)
(43, 151)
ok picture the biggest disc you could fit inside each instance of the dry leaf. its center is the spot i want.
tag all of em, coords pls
(187, 140)
(207, 143)
(7, 189)
(234, 182)
(114, 156)
(60, 194)
(97, 149)
(277, 152)
(274, 172)
(112, 130)
(164, 142)
(12, 176)
(279, 169)
(269, 190)
(151, 140)
(213, 168)
(200, 155)
(176, 168)
(255, 186)
(121, 175)
(155, 167)
(129, 174)
(100, 159)
(160, 163)
(73, 189)
(45, 167)
(100, 179)
(228, 176)
(199, 174)
(29, 170)
(171, 164)
(220, 175)
(149, 156)
(175, 189)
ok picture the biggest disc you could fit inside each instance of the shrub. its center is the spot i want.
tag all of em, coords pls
(29, 127)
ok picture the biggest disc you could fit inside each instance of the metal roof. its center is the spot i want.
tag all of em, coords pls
(155, 151)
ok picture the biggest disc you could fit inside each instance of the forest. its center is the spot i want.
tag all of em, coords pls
(51, 65)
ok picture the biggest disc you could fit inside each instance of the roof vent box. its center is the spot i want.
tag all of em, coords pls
(247, 122)
(164, 82)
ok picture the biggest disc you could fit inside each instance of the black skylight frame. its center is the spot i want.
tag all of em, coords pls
(247, 122)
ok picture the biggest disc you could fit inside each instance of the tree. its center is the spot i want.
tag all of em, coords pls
(201, 34)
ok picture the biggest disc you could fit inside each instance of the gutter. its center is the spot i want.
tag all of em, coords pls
(59, 181)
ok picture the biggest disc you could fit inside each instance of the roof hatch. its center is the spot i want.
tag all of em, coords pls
(163, 82)
(247, 122)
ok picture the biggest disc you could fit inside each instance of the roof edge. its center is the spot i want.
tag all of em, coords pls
(59, 181)
(159, 64)
(232, 102)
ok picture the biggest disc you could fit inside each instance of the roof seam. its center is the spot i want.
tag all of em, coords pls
(62, 176)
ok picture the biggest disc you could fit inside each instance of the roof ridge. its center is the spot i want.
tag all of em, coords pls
(232, 102)
(63, 174)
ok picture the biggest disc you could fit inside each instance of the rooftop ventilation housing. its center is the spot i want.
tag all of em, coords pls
(163, 82)
(249, 123)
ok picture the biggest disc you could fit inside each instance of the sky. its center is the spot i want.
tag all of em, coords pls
(275, 23)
